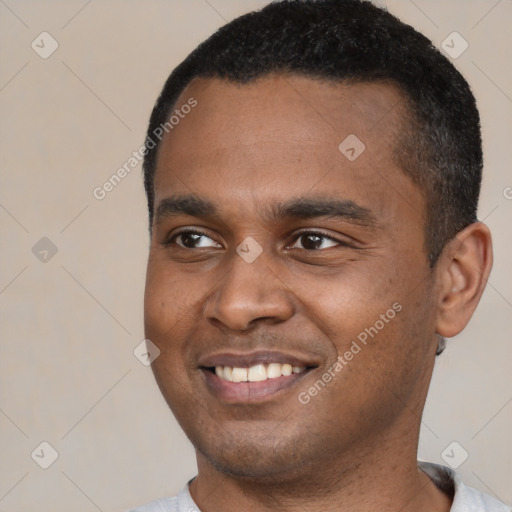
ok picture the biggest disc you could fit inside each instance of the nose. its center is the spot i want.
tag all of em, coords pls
(247, 294)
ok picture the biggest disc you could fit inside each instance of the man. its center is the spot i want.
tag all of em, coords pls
(312, 174)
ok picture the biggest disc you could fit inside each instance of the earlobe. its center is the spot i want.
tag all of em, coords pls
(464, 268)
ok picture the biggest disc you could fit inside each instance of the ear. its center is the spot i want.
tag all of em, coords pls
(464, 268)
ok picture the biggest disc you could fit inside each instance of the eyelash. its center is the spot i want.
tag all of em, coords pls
(171, 241)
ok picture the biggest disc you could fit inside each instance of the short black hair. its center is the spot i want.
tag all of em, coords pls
(354, 41)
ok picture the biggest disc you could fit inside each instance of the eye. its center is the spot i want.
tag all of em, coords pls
(313, 240)
(192, 239)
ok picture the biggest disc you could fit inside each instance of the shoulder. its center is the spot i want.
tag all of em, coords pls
(468, 499)
(161, 505)
(181, 503)
(465, 499)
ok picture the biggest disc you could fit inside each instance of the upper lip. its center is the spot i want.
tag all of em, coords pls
(248, 359)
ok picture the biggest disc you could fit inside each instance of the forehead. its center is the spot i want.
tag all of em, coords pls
(287, 107)
(286, 136)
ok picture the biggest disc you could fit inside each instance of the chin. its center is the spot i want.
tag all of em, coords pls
(256, 459)
(253, 468)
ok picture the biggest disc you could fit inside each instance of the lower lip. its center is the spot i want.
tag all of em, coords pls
(236, 392)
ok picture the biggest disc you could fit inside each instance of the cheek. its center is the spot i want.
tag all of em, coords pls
(398, 340)
(168, 306)
(159, 313)
(377, 320)
(346, 304)
(172, 309)
(169, 297)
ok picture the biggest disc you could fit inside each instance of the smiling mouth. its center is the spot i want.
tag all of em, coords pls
(256, 373)
(254, 377)
(253, 384)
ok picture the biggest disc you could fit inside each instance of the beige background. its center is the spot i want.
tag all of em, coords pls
(69, 325)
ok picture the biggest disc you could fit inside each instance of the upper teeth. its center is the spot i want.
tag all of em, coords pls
(257, 372)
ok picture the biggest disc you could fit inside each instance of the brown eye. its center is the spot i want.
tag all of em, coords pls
(192, 240)
(313, 241)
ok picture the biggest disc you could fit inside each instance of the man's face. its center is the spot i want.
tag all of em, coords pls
(342, 255)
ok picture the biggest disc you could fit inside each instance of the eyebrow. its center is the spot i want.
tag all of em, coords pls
(298, 208)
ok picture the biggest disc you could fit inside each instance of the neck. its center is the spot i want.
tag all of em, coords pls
(386, 478)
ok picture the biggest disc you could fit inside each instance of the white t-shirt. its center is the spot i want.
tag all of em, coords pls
(465, 499)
